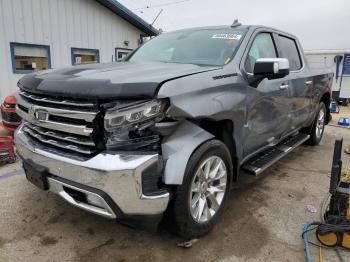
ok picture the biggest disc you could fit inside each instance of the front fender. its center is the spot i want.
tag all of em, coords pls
(178, 148)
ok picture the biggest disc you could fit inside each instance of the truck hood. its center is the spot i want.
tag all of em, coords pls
(124, 80)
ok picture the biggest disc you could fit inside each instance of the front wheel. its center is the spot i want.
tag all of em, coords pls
(318, 126)
(200, 199)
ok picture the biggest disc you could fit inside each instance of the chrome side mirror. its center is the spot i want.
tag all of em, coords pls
(272, 68)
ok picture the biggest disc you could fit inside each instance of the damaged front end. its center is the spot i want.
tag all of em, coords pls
(146, 126)
(130, 125)
(139, 127)
(83, 151)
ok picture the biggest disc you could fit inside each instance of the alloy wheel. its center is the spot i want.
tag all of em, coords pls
(208, 189)
(320, 122)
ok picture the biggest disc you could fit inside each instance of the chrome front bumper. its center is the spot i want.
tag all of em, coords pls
(116, 176)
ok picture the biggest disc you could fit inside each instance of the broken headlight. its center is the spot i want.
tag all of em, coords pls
(128, 127)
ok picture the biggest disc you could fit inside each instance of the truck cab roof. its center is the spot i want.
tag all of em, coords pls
(244, 27)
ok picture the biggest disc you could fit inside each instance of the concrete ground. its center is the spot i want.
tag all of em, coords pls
(263, 219)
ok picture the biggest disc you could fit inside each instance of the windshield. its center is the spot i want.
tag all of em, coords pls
(202, 47)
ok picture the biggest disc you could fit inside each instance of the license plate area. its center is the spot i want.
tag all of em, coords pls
(36, 174)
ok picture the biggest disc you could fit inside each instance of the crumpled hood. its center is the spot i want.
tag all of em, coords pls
(105, 81)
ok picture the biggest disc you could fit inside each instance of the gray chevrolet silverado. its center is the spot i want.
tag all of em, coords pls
(171, 128)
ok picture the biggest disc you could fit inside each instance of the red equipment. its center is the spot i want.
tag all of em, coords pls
(7, 152)
(10, 119)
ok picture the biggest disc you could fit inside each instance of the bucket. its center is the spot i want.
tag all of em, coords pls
(334, 107)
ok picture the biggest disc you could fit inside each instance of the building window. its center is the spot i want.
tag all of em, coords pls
(121, 53)
(27, 58)
(82, 56)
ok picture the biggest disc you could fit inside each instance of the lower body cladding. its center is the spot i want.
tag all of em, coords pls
(110, 185)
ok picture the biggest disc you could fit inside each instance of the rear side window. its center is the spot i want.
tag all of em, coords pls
(262, 47)
(289, 50)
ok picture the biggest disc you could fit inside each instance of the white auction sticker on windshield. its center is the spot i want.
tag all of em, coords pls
(227, 36)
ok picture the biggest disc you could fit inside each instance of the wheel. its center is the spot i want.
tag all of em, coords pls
(318, 126)
(200, 199)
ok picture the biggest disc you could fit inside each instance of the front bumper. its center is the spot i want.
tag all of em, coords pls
(112, 183)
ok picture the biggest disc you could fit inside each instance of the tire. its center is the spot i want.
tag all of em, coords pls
(318, 126)
(189, 223)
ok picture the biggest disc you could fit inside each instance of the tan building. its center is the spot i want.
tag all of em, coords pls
(43, 34)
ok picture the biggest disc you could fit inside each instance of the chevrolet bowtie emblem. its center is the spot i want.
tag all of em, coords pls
(39, 114)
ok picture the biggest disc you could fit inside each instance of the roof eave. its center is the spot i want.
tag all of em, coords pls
(129, 16)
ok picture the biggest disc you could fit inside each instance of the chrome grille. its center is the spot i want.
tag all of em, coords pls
(61, 123)
(64, 102)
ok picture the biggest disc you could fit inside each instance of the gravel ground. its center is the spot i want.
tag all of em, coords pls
(263, 219)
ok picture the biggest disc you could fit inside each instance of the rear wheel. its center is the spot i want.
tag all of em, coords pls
(318, 126)
(200, 199)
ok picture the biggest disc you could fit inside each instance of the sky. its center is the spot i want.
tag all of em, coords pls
(319, 24)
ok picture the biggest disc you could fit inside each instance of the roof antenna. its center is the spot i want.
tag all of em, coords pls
(236, 23)
(157, 17)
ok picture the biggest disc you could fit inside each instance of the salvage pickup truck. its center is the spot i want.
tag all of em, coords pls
(169, 129)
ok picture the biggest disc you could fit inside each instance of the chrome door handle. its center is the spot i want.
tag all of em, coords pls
(284, 86)
(308, 82)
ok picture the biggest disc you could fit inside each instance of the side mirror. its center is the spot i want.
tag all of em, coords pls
(272, 68)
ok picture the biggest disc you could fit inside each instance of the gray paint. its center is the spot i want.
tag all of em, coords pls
(261, 115)
(178, 148)
(116, 80)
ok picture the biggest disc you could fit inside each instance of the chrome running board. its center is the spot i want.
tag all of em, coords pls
(264, 160)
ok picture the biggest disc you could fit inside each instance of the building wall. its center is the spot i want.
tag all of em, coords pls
(61, 24)
(325, 60)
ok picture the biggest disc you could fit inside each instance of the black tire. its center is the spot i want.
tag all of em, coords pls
(315, 136)
(186, 226)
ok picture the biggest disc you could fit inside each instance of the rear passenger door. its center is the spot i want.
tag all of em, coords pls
(299, 84)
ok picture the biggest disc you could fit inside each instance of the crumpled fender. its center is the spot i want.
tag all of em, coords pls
(178, 148)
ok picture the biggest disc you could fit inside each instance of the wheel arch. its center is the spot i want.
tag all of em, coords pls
(326, 99)
(223, 131)
(178, 148)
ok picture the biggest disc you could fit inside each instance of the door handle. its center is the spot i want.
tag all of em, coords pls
(308, 83)
(284, 86)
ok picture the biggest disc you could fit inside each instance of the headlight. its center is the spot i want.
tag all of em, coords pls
(153, 110)
(129, 127)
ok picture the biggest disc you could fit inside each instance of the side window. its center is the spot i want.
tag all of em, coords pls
(289, 50)
(262, 47)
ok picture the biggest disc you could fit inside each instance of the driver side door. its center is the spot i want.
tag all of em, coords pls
(267, 107)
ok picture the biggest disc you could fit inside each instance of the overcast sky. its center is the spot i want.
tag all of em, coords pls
(319, 24)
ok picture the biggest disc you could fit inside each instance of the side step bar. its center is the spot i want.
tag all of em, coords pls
(261, 162)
